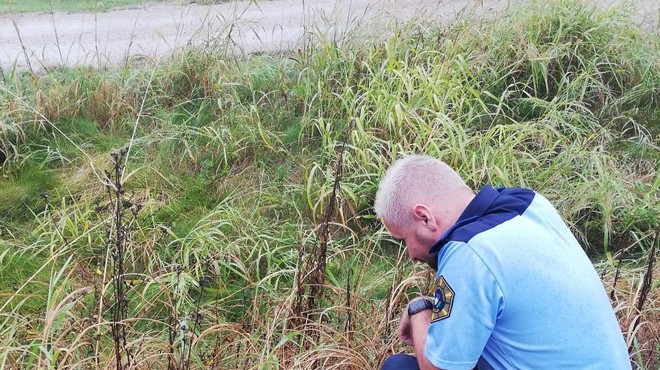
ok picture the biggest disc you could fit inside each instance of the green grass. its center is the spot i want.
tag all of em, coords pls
(25, 6)
(230, 173)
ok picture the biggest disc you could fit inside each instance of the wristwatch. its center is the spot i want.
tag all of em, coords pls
(419, 306)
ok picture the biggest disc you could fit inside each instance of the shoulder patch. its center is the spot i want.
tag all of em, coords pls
(443, 299)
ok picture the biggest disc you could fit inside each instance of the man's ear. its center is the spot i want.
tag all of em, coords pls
(423, 213)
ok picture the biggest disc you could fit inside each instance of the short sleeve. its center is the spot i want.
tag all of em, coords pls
(467, 303)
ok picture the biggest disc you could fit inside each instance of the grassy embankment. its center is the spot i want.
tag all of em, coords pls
(194, 201)
(23, 6)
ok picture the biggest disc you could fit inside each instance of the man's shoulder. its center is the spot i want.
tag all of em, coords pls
(505, 206)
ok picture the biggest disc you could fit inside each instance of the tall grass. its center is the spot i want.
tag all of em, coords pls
(22, 6)
(236, 195)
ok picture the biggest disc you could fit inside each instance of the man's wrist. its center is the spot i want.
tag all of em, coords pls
(419, 305)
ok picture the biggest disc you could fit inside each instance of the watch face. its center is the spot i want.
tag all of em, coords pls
(419, 306)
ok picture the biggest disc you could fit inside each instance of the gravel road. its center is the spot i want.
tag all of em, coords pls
(146, 32)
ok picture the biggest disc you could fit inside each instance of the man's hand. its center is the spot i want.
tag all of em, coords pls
(405, 325)
(405, 330)
(413, 332)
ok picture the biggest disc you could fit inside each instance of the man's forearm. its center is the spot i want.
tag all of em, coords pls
(420, 328)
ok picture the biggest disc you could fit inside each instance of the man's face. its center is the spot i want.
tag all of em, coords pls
(417, 239)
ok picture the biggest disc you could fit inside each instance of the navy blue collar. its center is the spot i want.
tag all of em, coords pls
(476, 209)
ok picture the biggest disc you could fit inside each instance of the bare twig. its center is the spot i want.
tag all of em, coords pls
(311, 275)
(118, 243)
(647, 283)
(27, 58)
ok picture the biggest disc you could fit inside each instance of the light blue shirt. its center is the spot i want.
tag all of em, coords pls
(515, 289)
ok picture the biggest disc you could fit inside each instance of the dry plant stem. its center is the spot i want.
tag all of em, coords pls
(27, 58)
(120, 306)
(96, 313)
(647, 284)
(349, 327)
(313, 276)
(171, 337)
(196, 323)
(317, 273)
(616, 277)
(57, 37)
(96, 40)
(648, 275)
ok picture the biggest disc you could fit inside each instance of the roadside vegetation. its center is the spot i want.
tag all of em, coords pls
(24, 6)
(209, 212)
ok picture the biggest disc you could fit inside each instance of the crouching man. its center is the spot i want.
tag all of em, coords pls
(513, 289)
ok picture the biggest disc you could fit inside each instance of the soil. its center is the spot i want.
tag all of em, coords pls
(41, 40)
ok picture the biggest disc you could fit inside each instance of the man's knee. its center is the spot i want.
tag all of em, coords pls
(400, 361)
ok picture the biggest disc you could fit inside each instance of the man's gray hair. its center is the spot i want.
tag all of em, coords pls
(415, 179)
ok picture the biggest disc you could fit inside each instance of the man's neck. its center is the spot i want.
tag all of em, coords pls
(458, 205)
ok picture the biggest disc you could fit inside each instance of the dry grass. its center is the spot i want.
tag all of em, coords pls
(641, 327)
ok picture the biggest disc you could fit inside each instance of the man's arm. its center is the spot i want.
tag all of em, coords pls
(413, 331)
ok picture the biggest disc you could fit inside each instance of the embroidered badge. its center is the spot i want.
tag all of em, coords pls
(442, 300)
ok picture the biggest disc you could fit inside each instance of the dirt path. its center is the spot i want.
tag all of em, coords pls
(155, 30)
